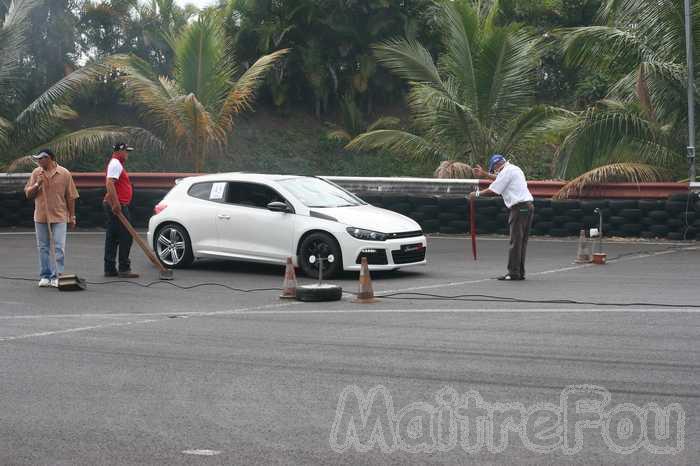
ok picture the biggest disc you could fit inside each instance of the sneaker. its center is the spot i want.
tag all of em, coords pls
(509, 277)
(44, 283)
(54, 283)
(128, 275)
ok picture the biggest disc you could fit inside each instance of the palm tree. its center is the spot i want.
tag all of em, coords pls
(13, 44)
(478, 99)
(188, 118)
(193, 114)
(638, 132)
(43, 122)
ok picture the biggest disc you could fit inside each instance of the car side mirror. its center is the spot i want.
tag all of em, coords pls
(278, 207)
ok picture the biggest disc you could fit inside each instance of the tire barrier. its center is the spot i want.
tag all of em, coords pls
(16, 211)
(677, 217)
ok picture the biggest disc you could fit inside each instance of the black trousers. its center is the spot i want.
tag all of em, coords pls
(117, 240)
(520, 222)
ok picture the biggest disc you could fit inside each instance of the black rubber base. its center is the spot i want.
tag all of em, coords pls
(316, 293)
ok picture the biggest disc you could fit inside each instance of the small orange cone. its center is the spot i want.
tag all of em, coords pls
(366, 292)
(289, 287)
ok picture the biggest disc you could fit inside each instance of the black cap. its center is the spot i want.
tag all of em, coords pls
(120, 146)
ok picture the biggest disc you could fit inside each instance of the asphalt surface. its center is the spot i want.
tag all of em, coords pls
(122, 374)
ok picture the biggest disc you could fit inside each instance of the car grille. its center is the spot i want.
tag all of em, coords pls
(374, 257)
(404, 256)
(405, 234)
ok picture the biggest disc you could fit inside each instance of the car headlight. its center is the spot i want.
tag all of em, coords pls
(367, 235)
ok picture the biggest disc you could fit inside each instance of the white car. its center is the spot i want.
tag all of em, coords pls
(268, 218)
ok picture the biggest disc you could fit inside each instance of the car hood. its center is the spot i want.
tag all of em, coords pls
(369, 217)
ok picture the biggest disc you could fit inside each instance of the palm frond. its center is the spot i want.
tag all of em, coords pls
(60, 93)
(532, 125)
(384, 123)
(42, 127)
(409, 60)
(586, 45)
(204, 135)
(201, 66)
(339, 135)
(617, 172)
(399, 142)
(462, 24)
(5, 131)
(94, 141)
(151, 94)
(13, 42)
(507, 74)
(241, 97)
(597, 133)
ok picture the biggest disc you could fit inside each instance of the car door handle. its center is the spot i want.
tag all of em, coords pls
(224, 217)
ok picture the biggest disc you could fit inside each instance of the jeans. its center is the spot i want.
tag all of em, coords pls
(117, 240)
(520, 222)
(47, 267)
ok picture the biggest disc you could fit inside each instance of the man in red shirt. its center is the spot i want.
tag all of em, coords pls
(118, 198)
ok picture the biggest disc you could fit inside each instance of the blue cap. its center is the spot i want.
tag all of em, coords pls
(495, 159)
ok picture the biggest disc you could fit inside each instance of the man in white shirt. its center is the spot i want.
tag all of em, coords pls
(509, 183)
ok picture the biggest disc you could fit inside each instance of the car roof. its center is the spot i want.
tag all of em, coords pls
(240, 176)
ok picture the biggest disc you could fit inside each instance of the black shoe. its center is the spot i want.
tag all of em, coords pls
(509, 277)
(112, 274)
(128, 274)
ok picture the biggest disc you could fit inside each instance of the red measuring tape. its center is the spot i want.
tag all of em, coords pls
(472, 223)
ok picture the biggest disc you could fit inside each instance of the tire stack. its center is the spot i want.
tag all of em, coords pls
(651, 218)
(646, 218)
(559, 218)
(453, 215)
(16, 210)
(88, 208)
(143, 204)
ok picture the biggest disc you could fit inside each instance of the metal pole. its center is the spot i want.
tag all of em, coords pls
(691, 91)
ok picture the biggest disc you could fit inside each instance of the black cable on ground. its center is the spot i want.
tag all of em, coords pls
(414, 296)
(158, 282)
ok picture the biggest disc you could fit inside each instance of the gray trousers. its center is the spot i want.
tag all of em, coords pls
(519, 222)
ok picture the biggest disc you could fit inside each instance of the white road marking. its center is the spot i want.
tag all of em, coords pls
(536, 239)
(74, 330)
(370, 310)
(202, 452)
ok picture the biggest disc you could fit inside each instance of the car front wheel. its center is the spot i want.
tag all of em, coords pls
(173, 247)
(320, 245)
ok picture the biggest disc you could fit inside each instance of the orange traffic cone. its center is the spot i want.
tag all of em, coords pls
(289, 287)
(366, 292)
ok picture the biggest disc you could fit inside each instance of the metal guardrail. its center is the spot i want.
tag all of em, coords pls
(417, 186)
(405, 185)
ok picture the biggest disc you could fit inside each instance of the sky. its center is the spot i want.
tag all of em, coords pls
(197, 3)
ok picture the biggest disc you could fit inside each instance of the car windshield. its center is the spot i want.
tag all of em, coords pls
(317, 193)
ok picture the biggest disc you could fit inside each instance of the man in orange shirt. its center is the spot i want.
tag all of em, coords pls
(54, 193)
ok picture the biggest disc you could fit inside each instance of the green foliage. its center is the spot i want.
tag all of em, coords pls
(478, 99)
(330, 42)
(642, 121)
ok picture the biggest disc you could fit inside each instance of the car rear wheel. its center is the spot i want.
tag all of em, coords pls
(319, 245)
(173, 246)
